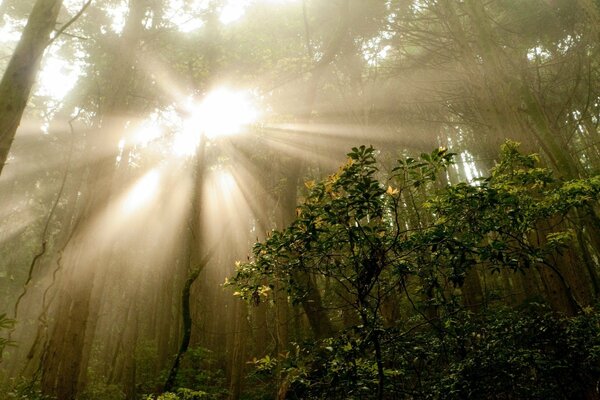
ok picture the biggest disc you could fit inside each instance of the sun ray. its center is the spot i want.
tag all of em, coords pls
(142, 193)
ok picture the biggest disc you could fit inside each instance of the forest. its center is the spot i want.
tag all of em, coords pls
(299, 199)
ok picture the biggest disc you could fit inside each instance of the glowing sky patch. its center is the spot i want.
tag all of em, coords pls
(58, 76)
(73, 6)
(186, 19)
(223, 112)
(10, 30)
(233, 10)
(118, 15)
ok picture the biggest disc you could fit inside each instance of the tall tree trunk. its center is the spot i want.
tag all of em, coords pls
(19, 76)
(238, 353)
(63, 359)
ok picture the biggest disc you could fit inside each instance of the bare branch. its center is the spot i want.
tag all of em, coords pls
(70, 22)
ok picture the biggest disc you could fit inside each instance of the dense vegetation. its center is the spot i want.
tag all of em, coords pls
(396, 262)
(171, 227)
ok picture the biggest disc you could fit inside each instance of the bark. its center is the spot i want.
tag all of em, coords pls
(196, 263)
(261, 338)
(238, 353)
(61, 366)
(281, 321)
(313, 307)
(164, 322)
(187, 330)
(472, 291)
(20, 74)
(568, 286)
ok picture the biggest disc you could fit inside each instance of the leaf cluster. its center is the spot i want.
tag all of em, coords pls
(378, 239)
(502, 354)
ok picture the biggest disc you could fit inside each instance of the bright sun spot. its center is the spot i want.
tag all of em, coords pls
(118, 14)
(187, 16)
(10, 31)
(73, 6)
(147, 131)
(233, 10)
(58, 77)
(222, 112)
(142, 192)
(226, 181)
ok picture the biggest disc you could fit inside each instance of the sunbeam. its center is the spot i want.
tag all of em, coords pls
(142, 193)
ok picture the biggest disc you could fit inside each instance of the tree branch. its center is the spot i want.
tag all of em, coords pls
(69, 22)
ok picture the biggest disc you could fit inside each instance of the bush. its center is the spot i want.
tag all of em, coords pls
(411, 240)
(531, 353)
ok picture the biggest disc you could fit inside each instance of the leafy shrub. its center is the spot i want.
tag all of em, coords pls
(530, 353)
(407, 237)
(181, 394)
(5, 324)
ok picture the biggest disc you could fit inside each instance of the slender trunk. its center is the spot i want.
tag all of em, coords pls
(63, 361)
(379, 360)
(20, 74)
(187, 330)
(473, 295)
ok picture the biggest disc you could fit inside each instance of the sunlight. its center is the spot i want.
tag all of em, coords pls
(186, 18)
(222, 112)
(232, 11)
(142, 192)
(73, 6)
(235, 9)
(224, 207)
(148, 131)
(58, 76)
(226, 181)
(374, 51)
(10, 31)
(118, 14)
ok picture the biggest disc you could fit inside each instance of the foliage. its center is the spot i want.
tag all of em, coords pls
(182, 394)
(5, 324)
(97, 389)
(409, 235)
(369, 239)
(22, 389)
(501, 354)
(347, 230)
(200, 376)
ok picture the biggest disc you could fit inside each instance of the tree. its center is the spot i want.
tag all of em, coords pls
(20, 74)
(352, 229)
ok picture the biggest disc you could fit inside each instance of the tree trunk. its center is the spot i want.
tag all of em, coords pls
(63, 360)
(22, 69)
(238, 353)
